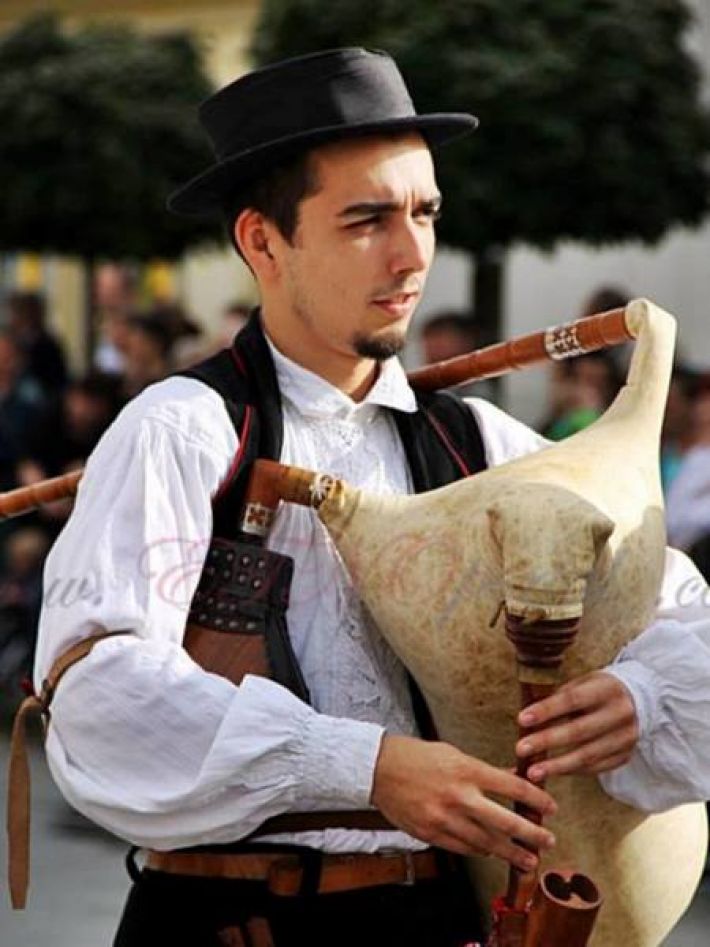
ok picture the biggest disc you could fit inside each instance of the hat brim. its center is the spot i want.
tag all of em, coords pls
(206, 194)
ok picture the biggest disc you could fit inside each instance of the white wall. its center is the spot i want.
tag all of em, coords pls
(546, 289)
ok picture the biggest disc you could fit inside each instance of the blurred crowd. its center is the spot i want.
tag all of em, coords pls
(51, 419)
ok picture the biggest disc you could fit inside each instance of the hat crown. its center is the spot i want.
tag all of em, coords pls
(337, 87)
(270, 114)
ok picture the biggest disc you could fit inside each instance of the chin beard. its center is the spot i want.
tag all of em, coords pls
(378, 348)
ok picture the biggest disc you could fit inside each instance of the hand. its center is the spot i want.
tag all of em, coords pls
(439, 795)
(589, 724)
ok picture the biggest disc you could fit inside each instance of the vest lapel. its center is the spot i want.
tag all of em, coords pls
(254, 359)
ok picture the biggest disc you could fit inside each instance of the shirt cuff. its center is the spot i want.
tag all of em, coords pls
(339, 762)
(645, 687)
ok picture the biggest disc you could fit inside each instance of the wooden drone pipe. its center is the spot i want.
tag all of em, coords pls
(24, 499)
(270, 483)
(560, 342)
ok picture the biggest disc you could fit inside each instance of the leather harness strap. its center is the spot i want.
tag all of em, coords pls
(284, 873)
(369, 820)
(18, 788)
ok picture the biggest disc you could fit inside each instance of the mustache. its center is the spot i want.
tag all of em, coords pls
(406, 289)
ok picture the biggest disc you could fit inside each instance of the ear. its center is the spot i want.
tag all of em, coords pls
(252, 233)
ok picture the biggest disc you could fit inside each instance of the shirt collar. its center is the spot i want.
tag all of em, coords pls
(313, 396)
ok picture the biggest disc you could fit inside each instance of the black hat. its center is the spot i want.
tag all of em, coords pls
(279, 109)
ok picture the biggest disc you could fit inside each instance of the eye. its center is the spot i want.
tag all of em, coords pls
(429, 214)
(364, 222)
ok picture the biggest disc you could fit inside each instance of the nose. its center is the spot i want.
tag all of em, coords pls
(411, 248)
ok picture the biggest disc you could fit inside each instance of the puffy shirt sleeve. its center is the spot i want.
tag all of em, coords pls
(667, 670)
(142, 740)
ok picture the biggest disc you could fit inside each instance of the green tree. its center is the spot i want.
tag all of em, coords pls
(98, 126)
(591, 123)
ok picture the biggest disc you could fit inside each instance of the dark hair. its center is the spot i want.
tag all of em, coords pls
(26, 305)
(451, 321)
(276, 194)
(605, 298)
(99, 387)
(153, 329)
(614, 379)
(689, 381)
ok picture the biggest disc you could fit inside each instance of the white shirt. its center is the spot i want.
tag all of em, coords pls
(164, 754)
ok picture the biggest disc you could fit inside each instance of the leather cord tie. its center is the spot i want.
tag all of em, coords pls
(18, 782)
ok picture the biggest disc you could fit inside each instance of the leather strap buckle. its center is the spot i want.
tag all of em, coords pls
(410, 873)
(409, 866)
(407, 863)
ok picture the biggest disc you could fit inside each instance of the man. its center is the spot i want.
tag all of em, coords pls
(21, 406)
(326, 176)
(43, 357)
(448, 334)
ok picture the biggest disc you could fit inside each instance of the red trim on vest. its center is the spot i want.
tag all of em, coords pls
(461, 463)
(243, 434)
(237, 359)
(234, 466)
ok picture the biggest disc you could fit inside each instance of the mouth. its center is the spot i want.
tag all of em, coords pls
(397, 305)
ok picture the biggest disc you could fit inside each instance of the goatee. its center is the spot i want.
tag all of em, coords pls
(376, 348)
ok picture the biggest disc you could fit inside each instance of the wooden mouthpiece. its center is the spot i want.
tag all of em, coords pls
(559, 342)
(24, 499)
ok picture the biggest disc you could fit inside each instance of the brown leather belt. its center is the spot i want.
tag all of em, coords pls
(283, 873)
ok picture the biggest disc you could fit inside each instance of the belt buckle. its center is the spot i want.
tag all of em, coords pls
(410, 876)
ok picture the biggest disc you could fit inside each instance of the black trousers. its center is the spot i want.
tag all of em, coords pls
(175, 911)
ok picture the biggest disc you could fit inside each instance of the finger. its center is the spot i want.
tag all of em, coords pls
(574, 697)
(466, 838)
(503, 822)
(610, 763)
(461, 835)
(582, 759)
(512, 787)
(515, 855)
(578, 730)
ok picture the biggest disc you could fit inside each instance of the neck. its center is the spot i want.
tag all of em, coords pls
(349, 372)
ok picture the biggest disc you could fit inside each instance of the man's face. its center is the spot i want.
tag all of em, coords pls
(361, 252)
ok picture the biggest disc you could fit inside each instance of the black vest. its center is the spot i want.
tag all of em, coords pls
(442, 444)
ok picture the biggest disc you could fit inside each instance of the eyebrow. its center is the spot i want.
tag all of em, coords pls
(367, 208)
